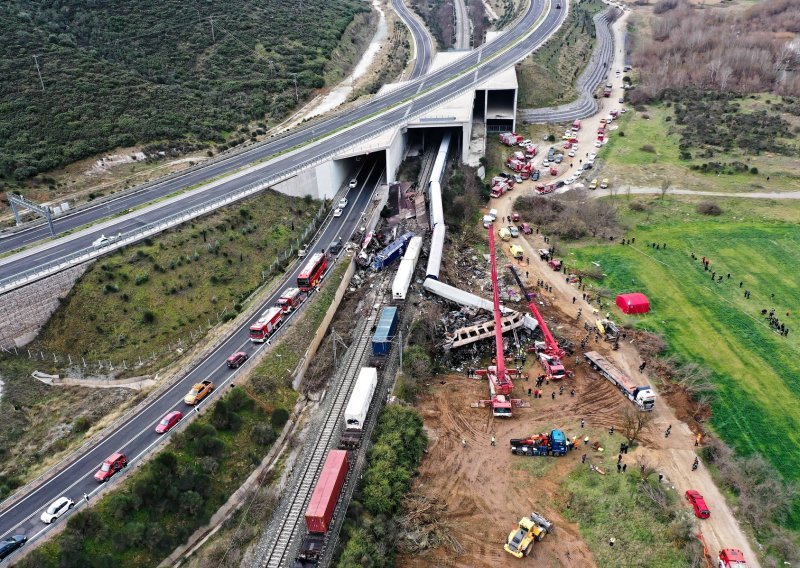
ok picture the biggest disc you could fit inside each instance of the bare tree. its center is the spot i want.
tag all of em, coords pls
(634, 424)
(656, 494)
(693, 378)
(646, 469)
(665, 187)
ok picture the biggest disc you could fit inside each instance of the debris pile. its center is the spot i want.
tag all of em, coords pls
(422, 527)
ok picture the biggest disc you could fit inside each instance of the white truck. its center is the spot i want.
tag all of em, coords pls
(355, 413)
(642, 396)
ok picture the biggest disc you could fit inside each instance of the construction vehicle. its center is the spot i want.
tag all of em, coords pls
(551, 353)
(500, 384)
(516, 251)
(552, 444)
(731, 558)
(529, 530)
(607, 329)
(642, 396)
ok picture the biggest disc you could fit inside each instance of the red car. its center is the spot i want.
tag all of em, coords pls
(169, 421)
(113, 464)
(235, 361)
(698, 504)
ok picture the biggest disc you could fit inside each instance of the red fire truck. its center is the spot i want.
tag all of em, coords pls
(290, 299)
(312, 272)
(266, 325)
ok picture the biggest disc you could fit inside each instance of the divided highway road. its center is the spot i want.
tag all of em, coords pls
(136, 436)
(413, 98)
(426, 50)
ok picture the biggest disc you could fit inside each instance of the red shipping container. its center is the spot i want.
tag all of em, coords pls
(326, 493)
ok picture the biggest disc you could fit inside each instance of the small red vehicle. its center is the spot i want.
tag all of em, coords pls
(515, 217)
(526, 229)
(698, 504)
(113, 464)
(169, 421)
(235, 361)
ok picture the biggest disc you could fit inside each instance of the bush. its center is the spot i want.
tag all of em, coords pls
(263, 434)
(81, 424)
(648, 148)
(278, 418)
(638, 206)
(709, 208)
(148, 316)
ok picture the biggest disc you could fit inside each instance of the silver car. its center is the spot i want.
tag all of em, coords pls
(56, 509)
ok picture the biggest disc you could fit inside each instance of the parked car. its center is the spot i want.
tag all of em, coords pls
(515, 217)
(559, 158)
(535, 175)
(604, 183)
(169, 421)
(587, 165)
(302, 252)
(513, 230)
(525, 142)
(11, 544)
(353, 183)
(235, 361)
(112, 464)
(698, 504)
(571, 153)
(56, 509)
(592, 156)
(593, 184)
(337, 212)
(517, 178)
(621, 100)
(342, 203)
(526, 229)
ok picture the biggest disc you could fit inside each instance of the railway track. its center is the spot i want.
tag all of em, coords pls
(285, 531)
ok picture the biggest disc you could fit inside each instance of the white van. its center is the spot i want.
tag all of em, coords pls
(487, 221)
(493, 214)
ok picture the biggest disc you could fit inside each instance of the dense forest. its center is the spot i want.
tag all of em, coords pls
(119, 73)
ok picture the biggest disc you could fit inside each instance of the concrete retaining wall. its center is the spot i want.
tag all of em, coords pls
(24, 311)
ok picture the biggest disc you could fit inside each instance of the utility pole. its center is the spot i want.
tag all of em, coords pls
(213, 37)
(401, 350)
(39, 71)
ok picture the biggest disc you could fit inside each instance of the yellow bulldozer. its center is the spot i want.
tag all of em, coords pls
(529, 530)
(607, 329)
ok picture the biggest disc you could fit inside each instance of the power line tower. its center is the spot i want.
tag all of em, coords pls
(19, 202)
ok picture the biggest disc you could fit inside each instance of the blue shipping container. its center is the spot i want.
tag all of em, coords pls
(392, 252)
(384, 332)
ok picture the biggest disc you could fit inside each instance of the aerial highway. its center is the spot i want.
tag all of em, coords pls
(540, 20)
(422, 39)
(136, 435)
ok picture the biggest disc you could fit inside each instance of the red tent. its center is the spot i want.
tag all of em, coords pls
(634, 303)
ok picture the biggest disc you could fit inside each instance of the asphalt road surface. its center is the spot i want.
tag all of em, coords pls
(40, 257)
(137, 434)
(426, 50)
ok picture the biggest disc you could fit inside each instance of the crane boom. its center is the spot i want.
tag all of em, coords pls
(498, 329)
(553, 348)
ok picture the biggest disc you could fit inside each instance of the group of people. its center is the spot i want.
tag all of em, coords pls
(773, 320)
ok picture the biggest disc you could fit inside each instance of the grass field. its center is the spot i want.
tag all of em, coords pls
(547, 77)
(756, 405)
(648, 153)
(134, 302)
(615, 506)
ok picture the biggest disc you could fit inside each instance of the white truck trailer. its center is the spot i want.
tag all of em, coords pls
(642, 396)
(355, 413)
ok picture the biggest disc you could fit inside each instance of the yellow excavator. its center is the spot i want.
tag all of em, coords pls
(529, 530)
(607, 329)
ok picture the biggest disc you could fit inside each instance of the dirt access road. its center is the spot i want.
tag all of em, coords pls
(671, 456)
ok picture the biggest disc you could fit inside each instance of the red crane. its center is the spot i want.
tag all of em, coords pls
(551, 357)
(500, 384)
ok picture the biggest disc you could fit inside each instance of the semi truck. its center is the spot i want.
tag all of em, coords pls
(355, 413)
(642, 396)
(552, 444)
